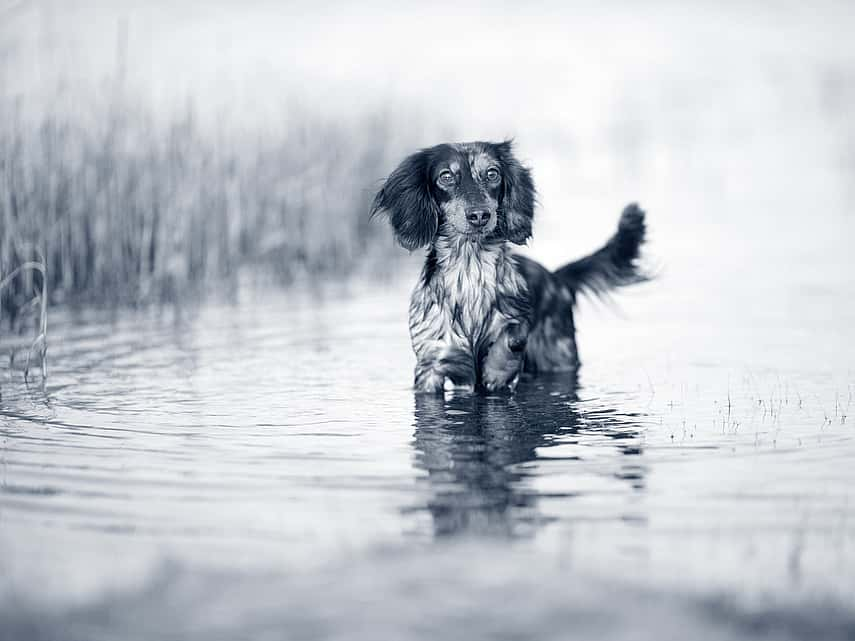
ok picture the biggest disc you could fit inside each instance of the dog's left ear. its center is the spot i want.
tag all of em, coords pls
(405, 198)
(518, 196)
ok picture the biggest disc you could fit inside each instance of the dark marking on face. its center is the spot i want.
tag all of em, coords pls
(474, 190)
(466, 183)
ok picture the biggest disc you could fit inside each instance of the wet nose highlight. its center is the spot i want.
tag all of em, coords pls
(477, 216)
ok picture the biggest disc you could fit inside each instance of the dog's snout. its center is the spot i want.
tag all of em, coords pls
(477, 216)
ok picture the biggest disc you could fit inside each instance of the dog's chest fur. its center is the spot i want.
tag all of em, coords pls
(457, 304)
(468, 282)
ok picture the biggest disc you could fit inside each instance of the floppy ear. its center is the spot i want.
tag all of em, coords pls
(405, 198)
(518, 196)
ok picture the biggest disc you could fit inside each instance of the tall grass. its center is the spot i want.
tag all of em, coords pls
(127, 208)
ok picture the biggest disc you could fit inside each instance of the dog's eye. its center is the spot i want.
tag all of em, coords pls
(446, 178)
(492, 174)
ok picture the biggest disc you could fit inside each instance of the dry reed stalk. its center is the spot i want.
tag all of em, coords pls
(41, 338)
(131, 210)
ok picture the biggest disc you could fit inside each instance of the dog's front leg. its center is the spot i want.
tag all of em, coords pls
(504, 360)
(428, 378)
(445, 361)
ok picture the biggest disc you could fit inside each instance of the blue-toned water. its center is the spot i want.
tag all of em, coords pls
(263, 470)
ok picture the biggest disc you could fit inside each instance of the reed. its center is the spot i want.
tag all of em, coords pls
(130, 209)
(40, 301)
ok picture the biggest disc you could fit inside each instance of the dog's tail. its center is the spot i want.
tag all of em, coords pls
(615, 264)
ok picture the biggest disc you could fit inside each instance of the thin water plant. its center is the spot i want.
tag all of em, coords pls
(41, 300)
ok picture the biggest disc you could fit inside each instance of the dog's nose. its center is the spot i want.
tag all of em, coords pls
(477, 216)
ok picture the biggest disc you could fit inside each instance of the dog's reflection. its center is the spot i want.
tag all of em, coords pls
(478, 452)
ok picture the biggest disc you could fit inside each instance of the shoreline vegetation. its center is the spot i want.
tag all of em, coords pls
(128, 211)
(112, 206)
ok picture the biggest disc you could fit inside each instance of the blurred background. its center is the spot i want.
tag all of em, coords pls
(242, 469)
(154, 150)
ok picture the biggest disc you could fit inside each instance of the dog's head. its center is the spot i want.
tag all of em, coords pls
(475, 190)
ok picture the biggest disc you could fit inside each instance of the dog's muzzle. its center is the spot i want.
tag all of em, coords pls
(477, 217)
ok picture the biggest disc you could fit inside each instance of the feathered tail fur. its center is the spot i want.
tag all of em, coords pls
(615, 264)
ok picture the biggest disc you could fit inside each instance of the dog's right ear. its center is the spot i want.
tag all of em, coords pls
(405, 198)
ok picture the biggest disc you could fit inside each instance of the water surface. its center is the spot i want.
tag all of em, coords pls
(263, 470)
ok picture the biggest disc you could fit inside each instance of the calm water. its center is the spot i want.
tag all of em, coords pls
(262, 470)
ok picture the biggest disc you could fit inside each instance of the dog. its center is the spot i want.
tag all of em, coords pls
(480, 315)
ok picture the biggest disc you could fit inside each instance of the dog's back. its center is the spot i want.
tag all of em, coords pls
(552, 341)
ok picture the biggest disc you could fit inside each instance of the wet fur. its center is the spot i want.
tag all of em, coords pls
(479, 314)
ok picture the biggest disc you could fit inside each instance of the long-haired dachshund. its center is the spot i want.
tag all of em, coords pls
(479, 314)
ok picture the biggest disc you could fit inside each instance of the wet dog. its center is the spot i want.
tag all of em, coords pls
(479, 314)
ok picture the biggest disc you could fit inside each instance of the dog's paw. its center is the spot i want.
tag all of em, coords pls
(501, 379)
(429, 382)
(505, 359)
(501, 386)
(517, 339)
